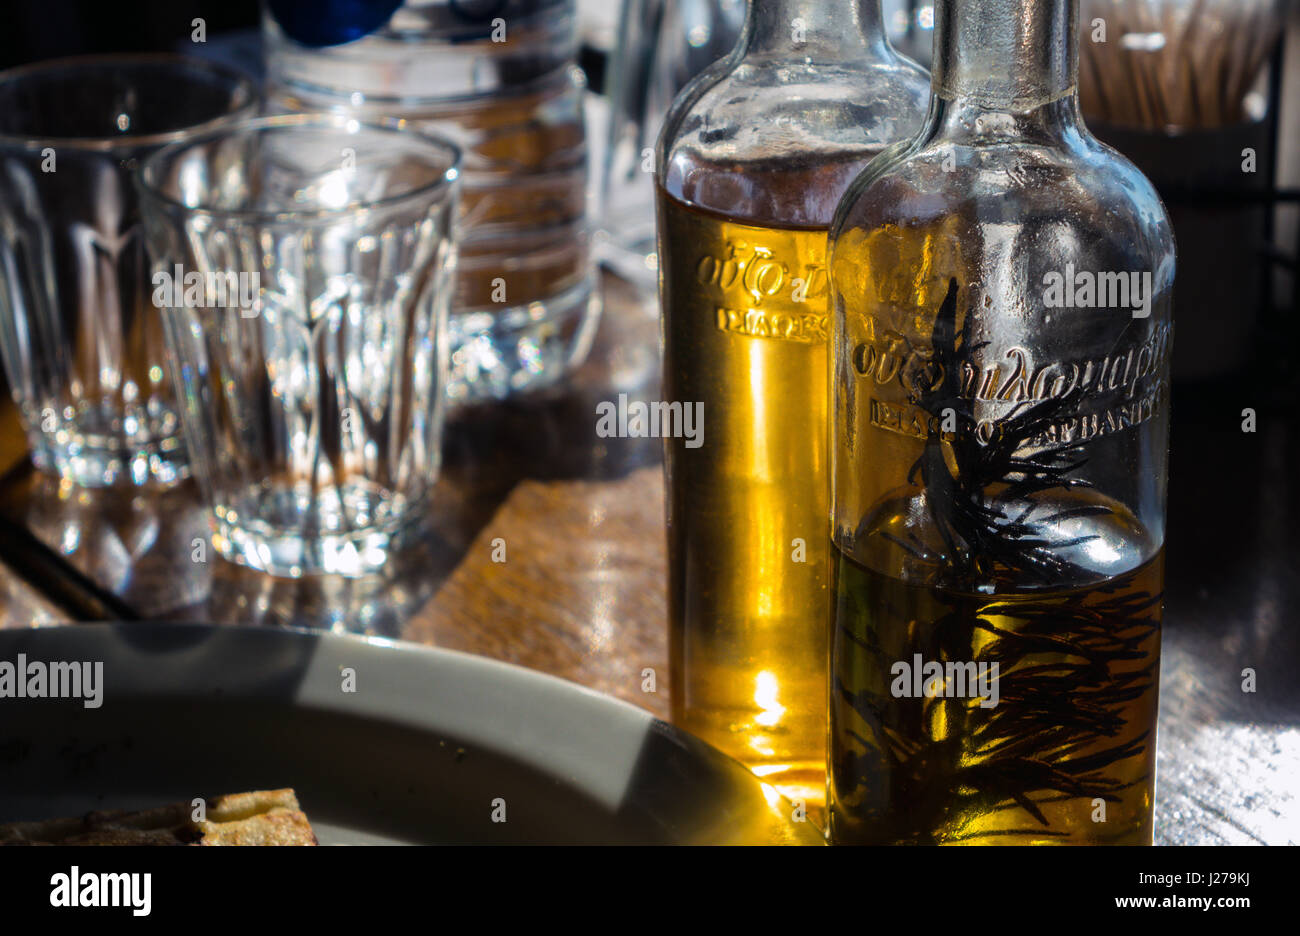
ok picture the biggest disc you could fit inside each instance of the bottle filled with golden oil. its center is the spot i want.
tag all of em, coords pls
(745, 333)
(754, 156)
(999, 442)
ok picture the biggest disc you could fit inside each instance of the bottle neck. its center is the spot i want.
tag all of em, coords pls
(827, 30)
(1007, 62)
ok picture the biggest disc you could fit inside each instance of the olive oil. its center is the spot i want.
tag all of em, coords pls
(1065, 755)
(745, 334)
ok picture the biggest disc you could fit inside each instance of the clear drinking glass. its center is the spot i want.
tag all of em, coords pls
(317, 255)
(81, 345)
(662, 45)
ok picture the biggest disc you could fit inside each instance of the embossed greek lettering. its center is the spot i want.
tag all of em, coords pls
(1015, 389)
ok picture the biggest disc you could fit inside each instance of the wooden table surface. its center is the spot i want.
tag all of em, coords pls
(581, 592)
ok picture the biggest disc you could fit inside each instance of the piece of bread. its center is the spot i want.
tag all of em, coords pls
(263, 817)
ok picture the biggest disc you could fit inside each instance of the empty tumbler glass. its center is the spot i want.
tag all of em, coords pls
(304, 266)
(81, 345)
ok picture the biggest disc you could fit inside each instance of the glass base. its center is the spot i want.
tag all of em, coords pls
(352, 530)
(499, 352)
(96, 463)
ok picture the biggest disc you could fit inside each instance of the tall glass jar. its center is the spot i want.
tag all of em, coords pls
(1000, 384)
(500, 79)
(754, 155)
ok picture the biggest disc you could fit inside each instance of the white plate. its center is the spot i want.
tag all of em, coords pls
(426, 749)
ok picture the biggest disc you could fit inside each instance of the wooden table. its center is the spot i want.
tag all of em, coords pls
(581, 591)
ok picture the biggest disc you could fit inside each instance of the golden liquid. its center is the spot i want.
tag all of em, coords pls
(1075, 723)
(744, 324)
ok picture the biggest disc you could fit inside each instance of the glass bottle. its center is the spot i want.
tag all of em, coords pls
(501, 79)
(754, 155)
(999, 437)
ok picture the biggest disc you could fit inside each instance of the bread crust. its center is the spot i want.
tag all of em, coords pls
(260, 817)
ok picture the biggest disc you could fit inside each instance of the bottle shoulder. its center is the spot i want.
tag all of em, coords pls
(1075, 189)
(747, 126)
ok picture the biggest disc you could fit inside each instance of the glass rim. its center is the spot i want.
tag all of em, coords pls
(447, 179)
(239, 80)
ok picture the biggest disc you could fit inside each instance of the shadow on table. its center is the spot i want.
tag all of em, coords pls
(1233, 555)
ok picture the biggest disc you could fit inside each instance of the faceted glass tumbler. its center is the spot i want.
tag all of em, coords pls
(81, 345)
(304, 264)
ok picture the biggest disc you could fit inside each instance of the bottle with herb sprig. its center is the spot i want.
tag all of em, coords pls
(1000, 340)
